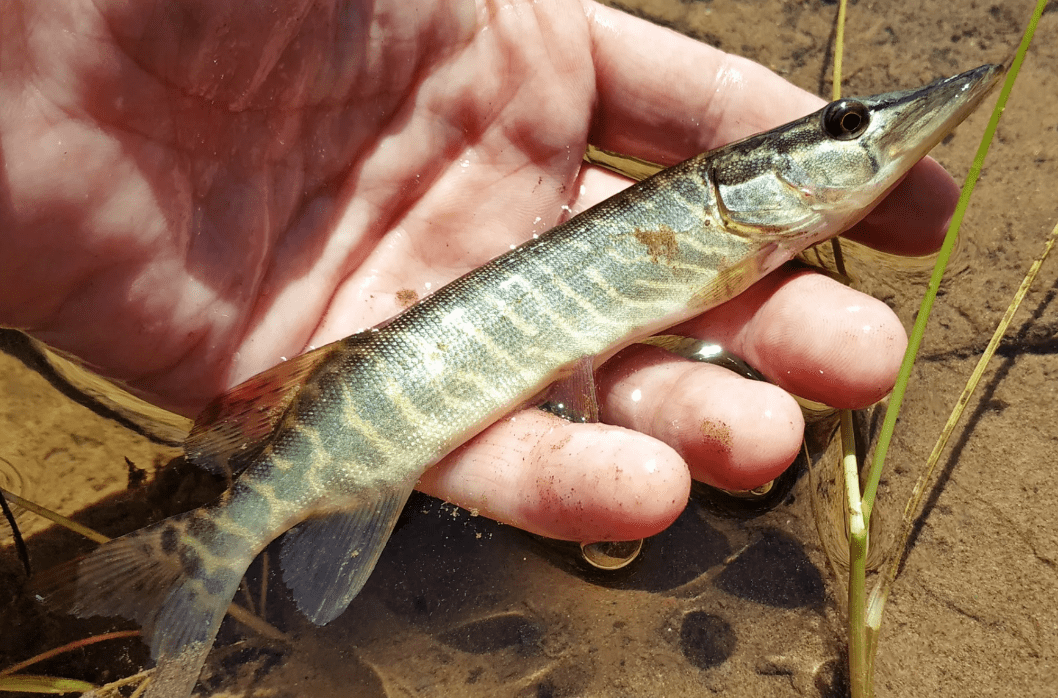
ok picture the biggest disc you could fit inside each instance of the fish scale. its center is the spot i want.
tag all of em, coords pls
(326, 448)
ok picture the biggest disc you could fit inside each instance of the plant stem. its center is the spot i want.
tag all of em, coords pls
(859, 672)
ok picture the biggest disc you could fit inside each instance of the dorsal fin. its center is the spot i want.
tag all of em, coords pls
(627, 165)
(239, 423)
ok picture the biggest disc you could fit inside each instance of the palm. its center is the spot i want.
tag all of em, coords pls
(195, 191)
(249, 202)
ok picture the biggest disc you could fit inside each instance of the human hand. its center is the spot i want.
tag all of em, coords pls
(193, 191)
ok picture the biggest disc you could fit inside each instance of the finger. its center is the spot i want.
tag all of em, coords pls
(734, 433)
(665, 96)
(811, 336)
(585, 482)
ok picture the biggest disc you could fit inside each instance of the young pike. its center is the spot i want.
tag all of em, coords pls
(332, 442)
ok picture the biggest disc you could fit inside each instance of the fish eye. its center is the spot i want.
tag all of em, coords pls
(845, 119)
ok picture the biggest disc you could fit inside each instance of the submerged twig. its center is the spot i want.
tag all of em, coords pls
(20, 544)
(76, 644)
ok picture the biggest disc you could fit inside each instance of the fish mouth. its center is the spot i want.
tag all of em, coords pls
(911, 122)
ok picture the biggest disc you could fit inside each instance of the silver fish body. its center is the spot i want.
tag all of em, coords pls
(332, 442)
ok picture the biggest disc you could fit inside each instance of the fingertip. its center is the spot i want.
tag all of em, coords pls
(846, 353)
(761, 440)
(732, 432)
(601, 482)
(581, 482)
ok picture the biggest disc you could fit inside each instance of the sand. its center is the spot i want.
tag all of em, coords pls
(739, 606)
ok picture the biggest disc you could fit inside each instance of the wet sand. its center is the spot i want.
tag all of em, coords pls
(460, 606)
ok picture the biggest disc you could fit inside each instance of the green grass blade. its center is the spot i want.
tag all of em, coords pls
(32, 683)
(857, 630)
(915, 340)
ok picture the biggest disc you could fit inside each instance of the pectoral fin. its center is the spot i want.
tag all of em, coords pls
(327, 560)
(573, 398)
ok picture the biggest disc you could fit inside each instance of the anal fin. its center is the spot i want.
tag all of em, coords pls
(326, 561)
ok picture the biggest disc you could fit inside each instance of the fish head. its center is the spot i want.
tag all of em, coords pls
(815, 177)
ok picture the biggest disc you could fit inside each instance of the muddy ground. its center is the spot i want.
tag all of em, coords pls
(743, 606)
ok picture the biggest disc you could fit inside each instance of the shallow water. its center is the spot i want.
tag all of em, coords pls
(460, 606)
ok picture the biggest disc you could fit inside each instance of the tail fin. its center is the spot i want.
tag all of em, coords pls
(175, 578)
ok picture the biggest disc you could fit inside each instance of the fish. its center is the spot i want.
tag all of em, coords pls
(324, 449)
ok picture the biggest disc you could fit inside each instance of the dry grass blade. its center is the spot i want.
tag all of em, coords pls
(910, 511)
(54, 517)
(235, 611)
